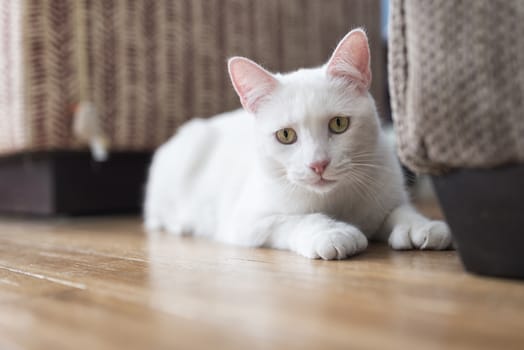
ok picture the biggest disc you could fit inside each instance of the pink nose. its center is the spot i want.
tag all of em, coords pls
(319, 167)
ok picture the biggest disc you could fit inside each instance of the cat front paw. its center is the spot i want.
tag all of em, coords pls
(430, 235)
(335, 242)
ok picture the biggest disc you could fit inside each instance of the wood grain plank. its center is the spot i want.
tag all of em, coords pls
(102, 283)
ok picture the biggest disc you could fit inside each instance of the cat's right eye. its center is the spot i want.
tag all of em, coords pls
(286, 136)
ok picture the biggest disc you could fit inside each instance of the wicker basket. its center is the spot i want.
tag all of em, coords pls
(149, 65)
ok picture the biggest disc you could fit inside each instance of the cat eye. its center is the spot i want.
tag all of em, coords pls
(338, 125)
(286, 136)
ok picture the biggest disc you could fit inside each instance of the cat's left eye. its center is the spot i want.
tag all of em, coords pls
(338, 125)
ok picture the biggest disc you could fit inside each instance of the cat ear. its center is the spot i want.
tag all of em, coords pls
(351, 59)
(251, 82)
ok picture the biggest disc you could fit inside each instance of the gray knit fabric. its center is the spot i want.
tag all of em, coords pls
(456, 74)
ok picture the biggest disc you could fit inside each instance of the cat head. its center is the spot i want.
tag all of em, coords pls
(314, 125)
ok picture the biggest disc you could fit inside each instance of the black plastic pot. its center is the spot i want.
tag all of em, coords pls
(485, 211)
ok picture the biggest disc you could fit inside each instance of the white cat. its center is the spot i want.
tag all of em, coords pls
(305, 166)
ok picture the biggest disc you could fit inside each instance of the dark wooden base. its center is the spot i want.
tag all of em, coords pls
(72, 183)
(485, 210)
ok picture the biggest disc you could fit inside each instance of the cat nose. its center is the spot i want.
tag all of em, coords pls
(320, 166)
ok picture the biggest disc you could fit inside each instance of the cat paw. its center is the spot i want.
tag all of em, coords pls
(334, 243)
(177, 229)
(430, 235)
(152, 225)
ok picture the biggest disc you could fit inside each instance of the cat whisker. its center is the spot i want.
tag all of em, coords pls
(367, 184)
(374, 166)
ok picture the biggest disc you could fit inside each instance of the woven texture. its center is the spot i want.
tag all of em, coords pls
(150, 65)
(456, 75)
(12, 131)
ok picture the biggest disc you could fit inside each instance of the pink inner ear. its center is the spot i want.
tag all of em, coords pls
(351, 59)
(251, 82)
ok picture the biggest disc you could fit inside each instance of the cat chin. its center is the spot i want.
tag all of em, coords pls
(321, 187)
(316, 186)
(321, 190)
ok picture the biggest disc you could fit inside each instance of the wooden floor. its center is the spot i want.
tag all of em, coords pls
(100, 284)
